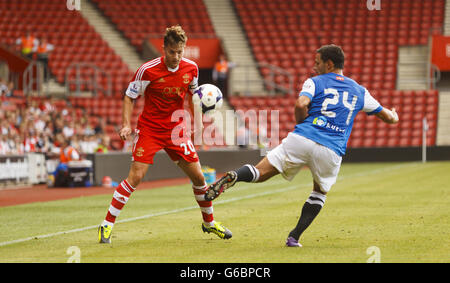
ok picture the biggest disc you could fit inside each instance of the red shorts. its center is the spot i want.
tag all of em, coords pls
(147, 144)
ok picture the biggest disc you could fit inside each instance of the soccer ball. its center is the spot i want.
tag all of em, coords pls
(210, 97)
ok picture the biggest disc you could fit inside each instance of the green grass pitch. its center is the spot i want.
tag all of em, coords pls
(385, 212)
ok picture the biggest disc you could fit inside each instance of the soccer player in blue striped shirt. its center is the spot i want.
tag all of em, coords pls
(324, 112)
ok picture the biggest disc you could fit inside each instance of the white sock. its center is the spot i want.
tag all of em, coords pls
(104, 223)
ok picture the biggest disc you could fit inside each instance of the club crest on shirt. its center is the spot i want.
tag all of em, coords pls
(186, 78)
(139, 151)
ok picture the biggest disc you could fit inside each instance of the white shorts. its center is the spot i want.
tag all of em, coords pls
(295, 151)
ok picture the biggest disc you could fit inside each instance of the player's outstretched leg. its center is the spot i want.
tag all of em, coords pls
(215, 189)
(247, 173)
(263, 171)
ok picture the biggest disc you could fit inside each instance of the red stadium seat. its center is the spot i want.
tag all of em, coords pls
(132, 19)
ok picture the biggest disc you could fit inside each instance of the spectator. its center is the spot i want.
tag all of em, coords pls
(47, 106)
(69, 129)
(58, 125)
(18, 146)
(43, 143)
(29, 142)
(27, 44)
(4, 128)
(43, 50)
(101, 125)
(6, 88)
(220, 74)
(36, 128)
(74, 142)
(88, 130)
(4, 145)
(67, 154)
(33, 106)
(89, 143)
(103, 145)
(39, 122)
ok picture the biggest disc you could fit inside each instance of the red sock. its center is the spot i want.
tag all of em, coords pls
(205, 206)
(120, 198)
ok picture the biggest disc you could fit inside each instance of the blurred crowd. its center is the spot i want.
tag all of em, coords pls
(38, 127)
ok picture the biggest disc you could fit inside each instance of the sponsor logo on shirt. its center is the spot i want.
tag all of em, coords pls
(322, 122)
(174, 90)
(134, 88)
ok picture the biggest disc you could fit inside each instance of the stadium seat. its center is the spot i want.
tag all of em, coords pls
(138, 20)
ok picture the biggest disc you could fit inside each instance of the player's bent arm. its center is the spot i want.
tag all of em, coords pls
(196, 109)
(388, 116)
(301, 108)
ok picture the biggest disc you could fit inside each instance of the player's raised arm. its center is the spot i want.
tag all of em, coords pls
(388, 116)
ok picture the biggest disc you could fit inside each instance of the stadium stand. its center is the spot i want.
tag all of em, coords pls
(287, 33)
(139, 19)
(74, 39)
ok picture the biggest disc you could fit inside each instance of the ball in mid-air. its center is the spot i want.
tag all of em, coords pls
(210, 97)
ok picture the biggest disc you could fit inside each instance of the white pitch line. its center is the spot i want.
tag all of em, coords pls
(289, 188)
(144, 217)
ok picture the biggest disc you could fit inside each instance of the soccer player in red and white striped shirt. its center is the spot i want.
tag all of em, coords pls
(164, 82)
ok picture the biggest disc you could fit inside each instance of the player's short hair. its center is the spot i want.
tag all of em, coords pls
(334, 53)
(174, 35)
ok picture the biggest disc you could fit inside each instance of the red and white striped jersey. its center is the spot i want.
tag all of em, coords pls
(164, 90)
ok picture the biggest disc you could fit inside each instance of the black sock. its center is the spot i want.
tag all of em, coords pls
(247, 173)
(310, 210)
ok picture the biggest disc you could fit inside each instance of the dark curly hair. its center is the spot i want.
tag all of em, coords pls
(334, 53)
